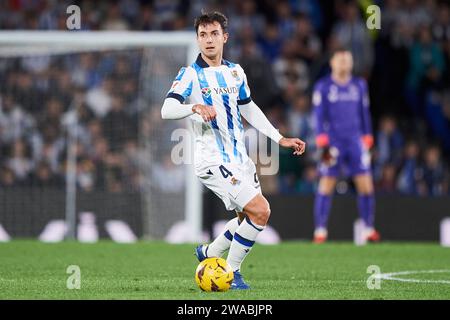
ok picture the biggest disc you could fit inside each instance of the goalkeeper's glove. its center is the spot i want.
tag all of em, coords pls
(367, 141)
(328, 155)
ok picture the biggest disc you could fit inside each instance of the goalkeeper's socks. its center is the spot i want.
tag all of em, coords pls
(366, 207)
(221, 244)
(322, 206)
(243, 241)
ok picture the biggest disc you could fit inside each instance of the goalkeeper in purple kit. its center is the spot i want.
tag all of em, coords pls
(344, 138)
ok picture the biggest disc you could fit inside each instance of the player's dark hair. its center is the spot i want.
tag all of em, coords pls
(210, 18)
(340, 49)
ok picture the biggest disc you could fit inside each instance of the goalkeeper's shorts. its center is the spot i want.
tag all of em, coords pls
(352, 159)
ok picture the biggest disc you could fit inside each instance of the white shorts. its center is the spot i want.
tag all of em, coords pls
(235, 184)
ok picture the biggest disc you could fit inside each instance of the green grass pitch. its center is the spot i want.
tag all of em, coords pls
(156, 270)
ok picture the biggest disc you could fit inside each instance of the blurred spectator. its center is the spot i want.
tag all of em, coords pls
(43, 177)
(168, 177)
(25, 93)
(7, 178)
(426, 68)
(129, 9)
(409, 175)
(166, 12)
(50, 121)
(389, 144)
(270, 42)
(85, 174)
(14, 122)
(117, 125)
(307, 43)
(289, 70)
(285, 20)
(147, 20)
(114, 19)
(392, 60)
(308, 183)
(435, 174)
(440, 27)
(259, 76)
(391, 16)
(35, 64)
(301, 120)
(85, 74)
(352, 32)
(99, 98)
(320, 67)
(416, 13)
(310, 8)
(437, 111)
(19, 160)
(387, 183)
(94, 131)
(246, 16)
(51, 152)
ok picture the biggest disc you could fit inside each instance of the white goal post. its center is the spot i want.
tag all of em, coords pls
(60, 42)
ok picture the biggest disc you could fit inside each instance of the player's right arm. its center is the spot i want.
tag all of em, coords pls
(326, 153)
(322, 139)
(174, 107)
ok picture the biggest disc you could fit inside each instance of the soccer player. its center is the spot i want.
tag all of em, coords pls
(344, 137)
(219, 94)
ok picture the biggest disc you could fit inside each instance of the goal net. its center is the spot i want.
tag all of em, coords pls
(84, 151)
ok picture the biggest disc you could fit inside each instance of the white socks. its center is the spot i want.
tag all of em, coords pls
(243, 240)
(221, 244)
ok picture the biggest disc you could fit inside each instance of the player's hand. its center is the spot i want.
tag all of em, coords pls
(298, 145)
(208, 113)
(328, 155)
(367, 141)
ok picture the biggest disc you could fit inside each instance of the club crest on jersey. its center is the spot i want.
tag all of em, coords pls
(333, 94)
(235, 181)
(235, 75)
(206, 92)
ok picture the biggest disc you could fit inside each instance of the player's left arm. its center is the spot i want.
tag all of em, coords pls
(367, 137)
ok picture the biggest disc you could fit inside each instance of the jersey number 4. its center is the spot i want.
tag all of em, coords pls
(225, 172)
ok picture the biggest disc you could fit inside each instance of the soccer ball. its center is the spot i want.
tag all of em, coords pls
(214, 274)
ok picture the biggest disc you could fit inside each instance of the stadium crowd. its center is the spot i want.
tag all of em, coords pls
(284, 48)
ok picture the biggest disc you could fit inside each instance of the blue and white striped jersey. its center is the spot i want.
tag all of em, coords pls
(224, 87)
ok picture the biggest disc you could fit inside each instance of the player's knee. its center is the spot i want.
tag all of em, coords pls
(364, 185)
(367, 191)
(326, 187)
(326, 192)
(258, 210)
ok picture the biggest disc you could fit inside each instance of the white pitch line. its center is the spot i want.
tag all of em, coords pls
(392, 276)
